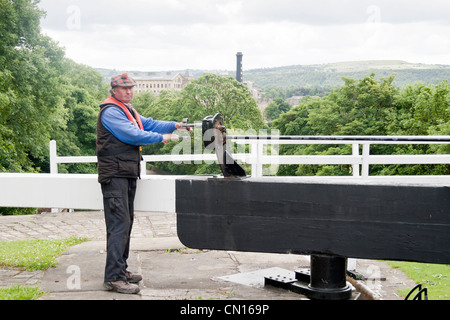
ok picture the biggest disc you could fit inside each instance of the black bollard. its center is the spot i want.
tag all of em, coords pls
(328, 278)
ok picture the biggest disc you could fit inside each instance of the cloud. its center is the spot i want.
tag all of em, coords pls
(186, 12)
(332, 12)
(206, 34)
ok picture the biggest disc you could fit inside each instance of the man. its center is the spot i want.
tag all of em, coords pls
(121, 132)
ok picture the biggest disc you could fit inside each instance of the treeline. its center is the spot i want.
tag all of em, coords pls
(285, 93)
(370, 107)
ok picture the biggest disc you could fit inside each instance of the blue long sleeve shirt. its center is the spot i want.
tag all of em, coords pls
(116, 122)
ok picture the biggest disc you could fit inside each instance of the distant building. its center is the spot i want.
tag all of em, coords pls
(294, 100)
(252, 88)
(155, 82)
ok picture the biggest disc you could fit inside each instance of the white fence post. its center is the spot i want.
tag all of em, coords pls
(365, 160)
(53, 158)
(355, 166)
(53, 165)
(256, 158)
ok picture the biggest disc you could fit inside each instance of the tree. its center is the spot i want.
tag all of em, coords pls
(211, 94)
(208, 95)
(83, 90)
(144, 103)
(420, 109)
(43, 95)
(30, 94)
(276, 108)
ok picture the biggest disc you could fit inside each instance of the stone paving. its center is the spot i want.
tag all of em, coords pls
(90, 225)
(156, 248)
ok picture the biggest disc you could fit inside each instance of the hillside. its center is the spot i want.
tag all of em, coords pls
(330, 75)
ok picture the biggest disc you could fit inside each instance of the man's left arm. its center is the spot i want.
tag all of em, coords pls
(158, 126)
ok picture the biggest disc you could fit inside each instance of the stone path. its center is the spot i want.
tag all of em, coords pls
(170, 270)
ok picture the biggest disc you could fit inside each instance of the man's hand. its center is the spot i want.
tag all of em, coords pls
(168, 137)
(179, 126)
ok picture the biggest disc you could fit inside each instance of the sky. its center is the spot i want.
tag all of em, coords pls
(162, 35)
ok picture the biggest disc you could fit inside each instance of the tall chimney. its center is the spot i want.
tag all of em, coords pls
(239, 72)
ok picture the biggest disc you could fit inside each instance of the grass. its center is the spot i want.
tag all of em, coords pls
(32, 255)
(436, 277)
(21, 293)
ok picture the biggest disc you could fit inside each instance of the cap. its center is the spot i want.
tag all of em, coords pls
(122, 80)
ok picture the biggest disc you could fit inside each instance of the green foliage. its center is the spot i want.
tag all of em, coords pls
(5, 211)
(84, 89)
(145, 104)
(370, 107)
(211, 94)
(420, 109)
(284, 93)
(208, 95)
(29, 93)
(276, 108)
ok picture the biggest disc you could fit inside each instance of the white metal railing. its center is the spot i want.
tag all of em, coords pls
(264, 151)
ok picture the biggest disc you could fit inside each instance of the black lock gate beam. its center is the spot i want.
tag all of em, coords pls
(329, 221)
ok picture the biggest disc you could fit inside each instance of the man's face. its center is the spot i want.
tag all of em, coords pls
(124, 94)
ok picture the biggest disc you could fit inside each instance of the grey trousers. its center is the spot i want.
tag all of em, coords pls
(118, 204)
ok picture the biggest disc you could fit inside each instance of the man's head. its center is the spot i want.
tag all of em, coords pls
(122, 87)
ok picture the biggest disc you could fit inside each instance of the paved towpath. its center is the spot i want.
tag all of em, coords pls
(170, 270)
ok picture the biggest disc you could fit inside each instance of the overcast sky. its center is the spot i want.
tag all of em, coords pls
(157, 35)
